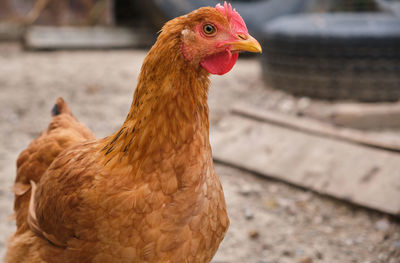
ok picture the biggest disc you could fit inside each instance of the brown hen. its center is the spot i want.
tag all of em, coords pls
(149, 192)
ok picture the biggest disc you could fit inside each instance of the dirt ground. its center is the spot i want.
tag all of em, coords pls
(271, 222)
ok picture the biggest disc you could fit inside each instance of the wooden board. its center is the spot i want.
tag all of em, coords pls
(60, 12)
(47, 37)
(372, 139)
(359, 115)
(363, 175)
(10, 31)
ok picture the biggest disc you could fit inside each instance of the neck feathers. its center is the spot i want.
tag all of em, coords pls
(169, 107)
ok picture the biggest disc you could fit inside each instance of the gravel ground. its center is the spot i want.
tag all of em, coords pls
(271, 222)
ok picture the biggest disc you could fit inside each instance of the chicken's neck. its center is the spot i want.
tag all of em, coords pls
(169, 109)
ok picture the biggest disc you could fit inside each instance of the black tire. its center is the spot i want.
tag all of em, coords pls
(392, 6)
(334, 56)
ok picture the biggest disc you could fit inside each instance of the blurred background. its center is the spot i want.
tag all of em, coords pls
(305, 137)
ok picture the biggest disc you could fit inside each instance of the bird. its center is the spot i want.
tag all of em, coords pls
(148, 192)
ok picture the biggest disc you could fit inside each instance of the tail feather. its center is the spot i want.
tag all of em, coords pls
(33, 162)
(60, 107)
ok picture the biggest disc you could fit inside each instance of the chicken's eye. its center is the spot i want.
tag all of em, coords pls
(209, 30)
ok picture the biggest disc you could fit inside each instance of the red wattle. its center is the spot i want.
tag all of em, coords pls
(220, 63)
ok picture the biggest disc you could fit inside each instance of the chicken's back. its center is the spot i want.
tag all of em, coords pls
(63, 131)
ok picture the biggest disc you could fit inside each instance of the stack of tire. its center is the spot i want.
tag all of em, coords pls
(334, 56)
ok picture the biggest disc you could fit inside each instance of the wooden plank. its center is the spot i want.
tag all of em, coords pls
(359, 115)
(60, 12)
(47, 37)
(363, 175)
(366, 115)
(320, 128)
(10, 31)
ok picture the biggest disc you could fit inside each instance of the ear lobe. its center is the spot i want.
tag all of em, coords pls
(186, 53)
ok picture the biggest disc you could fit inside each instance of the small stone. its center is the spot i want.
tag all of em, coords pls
(349, 242)
(382, 256)
(318, 220)
(92, 89)
(286, 106)
(254, 234)
(248, 214)
(247, 190)
(287, 253)
(303, 103)
(299, 252)
(224, 125)
(270, 203)
(306, 260)
(284, 202)
(291, 209)
(319, 255)
(396, 244)
(382, 224)
(360, 240)
(273, 188)
(266, 247)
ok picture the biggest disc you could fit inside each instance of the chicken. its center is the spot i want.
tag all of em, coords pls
(149, 192)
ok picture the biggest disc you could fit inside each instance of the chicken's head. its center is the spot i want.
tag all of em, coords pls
(213, 37)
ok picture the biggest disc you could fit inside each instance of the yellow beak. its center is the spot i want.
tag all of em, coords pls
(246, 43)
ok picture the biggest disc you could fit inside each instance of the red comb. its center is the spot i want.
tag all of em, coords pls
(237, 23)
